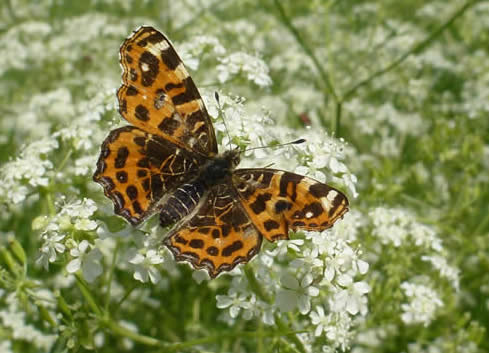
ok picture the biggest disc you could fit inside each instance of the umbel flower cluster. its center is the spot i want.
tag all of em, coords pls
(392, 102)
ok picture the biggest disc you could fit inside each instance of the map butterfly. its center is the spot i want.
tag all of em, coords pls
(167, 161)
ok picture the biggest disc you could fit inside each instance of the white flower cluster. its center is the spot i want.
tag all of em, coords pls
(252, 67)
(191, 51)
(451, 273)
(29, 170)
(319, 273)
(396, 226)
(422, 304)
(57, 237)
(13, 317)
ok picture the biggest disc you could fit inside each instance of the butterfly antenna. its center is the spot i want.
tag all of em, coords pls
(221, 114)
(296, 142)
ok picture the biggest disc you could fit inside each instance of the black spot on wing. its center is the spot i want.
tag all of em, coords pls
(120, 159)
(228, 250)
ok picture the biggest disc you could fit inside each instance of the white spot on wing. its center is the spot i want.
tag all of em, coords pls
(157, 48)
(181, 72)
(328, 200)
(309, 214)
(331, 195)
(144, 67)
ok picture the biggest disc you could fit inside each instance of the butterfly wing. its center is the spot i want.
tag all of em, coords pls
(218, 235)
(159, 96)
(277, 201)
(136, 168)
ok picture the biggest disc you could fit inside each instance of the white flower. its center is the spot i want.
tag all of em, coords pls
(145, 268)
(336, 327)
(352, 299)
(89, 262)
(449, 272)
(50, 248)
(284, 245)
(255, 68)
(234, 301)
(295, 294)
(320, 320)
(422, 304)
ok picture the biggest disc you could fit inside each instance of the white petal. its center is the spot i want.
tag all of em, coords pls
(137, 259)
(306, 280)
(362, 266)
(91, 270)
(234, 311)
(289, 281)
(329, 273)
(223, 301)
(344, 280)
(318, 331)
(313, 291)
(361, 287)
(73, 266)
(304, 304)
(286, 300)
(83, 246)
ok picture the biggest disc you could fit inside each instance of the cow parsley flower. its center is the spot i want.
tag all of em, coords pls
(353, 298)
(29, 170)
(335, 326)
(254, 68)
(295, 293)
(50, 248)
(145, 268)
(235, 302)
(449, 272)
(422, 304)
(86, 259)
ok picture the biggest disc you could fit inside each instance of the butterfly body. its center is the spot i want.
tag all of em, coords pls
(168, 162)
(214, 171)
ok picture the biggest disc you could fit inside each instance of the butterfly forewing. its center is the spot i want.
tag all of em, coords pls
(277, 201)
(218, 236)
(159, 96)
(136, 168)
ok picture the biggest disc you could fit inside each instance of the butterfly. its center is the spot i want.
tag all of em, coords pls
(167, 161)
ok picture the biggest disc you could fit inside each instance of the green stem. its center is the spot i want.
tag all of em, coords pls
(136, 337)
(216, 338)
(288, 23)
(65, 159)
(335, 128)
(260, 293)
(111, 274)
(126, 295)
(88, 296)
(255, 286)
(417, 48)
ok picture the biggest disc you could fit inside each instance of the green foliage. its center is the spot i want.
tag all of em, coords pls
(405, 85)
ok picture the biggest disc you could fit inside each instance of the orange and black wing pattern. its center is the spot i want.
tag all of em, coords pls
(159, 96)
(218, 236)
(136, 168)
(278, 201)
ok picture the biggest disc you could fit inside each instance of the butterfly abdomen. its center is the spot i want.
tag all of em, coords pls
(182, 201)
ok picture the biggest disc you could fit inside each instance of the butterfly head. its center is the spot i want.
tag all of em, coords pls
(219, 167)
(232, 157)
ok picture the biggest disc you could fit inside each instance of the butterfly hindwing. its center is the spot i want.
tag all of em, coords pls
(159, 96)
(277, 201)
(136, 168)
(218, 235)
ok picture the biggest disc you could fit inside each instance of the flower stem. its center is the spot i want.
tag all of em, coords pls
(261, 293)
(417, 48)
(87, 295)
(288, 23)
